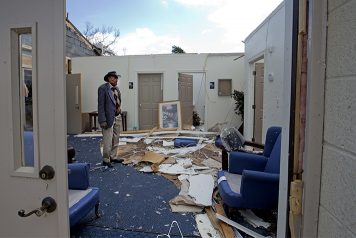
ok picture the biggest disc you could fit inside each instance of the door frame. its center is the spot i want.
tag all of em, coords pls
(249, 112)
(203, 73)
(315, 118)
(254, 100)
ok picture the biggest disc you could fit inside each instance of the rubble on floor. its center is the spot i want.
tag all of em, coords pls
(193, 169)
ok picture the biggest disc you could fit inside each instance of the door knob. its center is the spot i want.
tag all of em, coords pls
(48, 205)
(47, 172)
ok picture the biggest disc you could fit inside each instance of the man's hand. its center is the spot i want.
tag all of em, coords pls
(104, 125)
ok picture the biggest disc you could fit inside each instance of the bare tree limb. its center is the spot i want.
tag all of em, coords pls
(104, 37)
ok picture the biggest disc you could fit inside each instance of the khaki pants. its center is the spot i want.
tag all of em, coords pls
(111, 139)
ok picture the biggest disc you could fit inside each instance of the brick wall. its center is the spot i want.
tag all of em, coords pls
(75, 47)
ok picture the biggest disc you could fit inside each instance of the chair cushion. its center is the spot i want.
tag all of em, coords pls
(185, 142)
(78, 176)
(234, 181)
(81, 202)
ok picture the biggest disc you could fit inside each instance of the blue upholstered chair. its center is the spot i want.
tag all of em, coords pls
(251, 180)
(82, 197)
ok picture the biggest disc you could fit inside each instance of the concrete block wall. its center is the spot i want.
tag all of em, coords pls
(74, 46)
(337, 211)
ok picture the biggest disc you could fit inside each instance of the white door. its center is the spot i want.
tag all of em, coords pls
(185, 93)
(74, 104)
(150, 95)
(33, 118)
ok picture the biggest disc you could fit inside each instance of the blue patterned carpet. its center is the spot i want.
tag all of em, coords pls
(132, 204)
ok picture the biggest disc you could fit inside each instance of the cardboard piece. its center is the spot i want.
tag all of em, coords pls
(135, 159)
(185, 208)
(152, 157)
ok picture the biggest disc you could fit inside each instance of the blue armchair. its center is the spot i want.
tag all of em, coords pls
(82, 197)
(251, 180)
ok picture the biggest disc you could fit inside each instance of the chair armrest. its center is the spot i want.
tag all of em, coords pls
(218, 142)
(78, 176)
(239, 161)
(259, 177)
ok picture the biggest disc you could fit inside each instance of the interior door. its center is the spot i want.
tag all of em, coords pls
(150, 95)
(74, 104)
(258, 119)
(185, 91)
(33, 118)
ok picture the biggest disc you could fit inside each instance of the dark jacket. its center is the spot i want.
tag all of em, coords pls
(107, 104)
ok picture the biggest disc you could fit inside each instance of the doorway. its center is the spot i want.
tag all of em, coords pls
(185, 92)
(193, 96)
(258, 77)
(74, 104)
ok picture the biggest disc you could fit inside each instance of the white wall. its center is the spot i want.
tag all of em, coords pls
(221, 108)
(337, 211)
(267, 42)
(215, 66)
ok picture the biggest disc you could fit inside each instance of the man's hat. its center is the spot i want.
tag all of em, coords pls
(112, 73)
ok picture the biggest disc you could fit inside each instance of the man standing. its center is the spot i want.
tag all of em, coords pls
(109, 117)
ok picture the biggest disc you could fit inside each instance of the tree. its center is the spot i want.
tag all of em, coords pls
(177, 50)
(238, 96)
(103, 38)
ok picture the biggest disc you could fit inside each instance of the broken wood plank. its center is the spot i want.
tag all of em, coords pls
(205, 227)
(227, 230)
(214, 221)
(143, 133)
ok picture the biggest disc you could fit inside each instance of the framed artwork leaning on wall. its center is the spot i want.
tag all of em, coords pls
(169, 115)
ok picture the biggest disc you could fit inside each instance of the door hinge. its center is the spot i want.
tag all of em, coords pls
(254, 73)
(253, 106)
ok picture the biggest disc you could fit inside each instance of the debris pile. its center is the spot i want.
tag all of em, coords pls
(191, 161)
(187, 158)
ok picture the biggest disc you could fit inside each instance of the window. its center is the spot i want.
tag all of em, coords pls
(225, 87)
(23, 84)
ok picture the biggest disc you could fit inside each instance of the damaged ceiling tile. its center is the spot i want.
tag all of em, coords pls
(201, 188)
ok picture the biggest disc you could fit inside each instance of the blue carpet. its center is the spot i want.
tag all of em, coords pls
(132, 203)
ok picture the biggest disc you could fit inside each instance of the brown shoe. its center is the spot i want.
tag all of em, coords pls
(116, 160)
(108, 164)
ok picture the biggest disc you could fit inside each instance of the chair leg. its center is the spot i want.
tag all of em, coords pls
(224, 160)
(97, 210)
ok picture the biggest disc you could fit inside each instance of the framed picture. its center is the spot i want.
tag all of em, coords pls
(169, 115)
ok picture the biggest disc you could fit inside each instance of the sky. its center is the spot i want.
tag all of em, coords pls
(154, 26)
